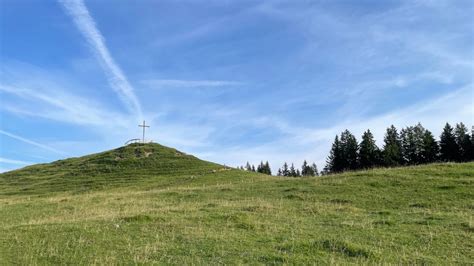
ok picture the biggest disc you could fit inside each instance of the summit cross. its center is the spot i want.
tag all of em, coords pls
(143, 126)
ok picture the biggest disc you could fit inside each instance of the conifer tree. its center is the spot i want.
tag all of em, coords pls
(285, 171)
(314, 168)
(334, 161)
(463, 141)
(292, 170)
(409, 145)
(392, 155)
(448, 148)
(430, 148)
(304, 168)
(350, 149)
(253, 168)
(298, 173)
(471, 157)
(268, 169)
(279, 173)
(248, 167)
(368, 152)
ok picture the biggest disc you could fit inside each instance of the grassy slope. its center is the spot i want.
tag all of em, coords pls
(69, 212)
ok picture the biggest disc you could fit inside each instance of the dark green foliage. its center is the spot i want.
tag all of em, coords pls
(430, 148)
(369, 153)
(264, 168)
(285, 171)
(293, 172)
(463, 141)
(309, 170)
(448, 147)
(314, 168)
(392, 150)
(350, 149)
(334, 162)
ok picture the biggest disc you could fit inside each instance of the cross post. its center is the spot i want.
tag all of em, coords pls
(143, 126)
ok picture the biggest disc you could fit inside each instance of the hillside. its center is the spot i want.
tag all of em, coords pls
(152, 204)
(129, 165)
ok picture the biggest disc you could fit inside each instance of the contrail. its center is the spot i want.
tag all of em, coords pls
(117, 80)
(31, 142)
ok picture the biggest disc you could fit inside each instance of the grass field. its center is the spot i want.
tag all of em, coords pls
(152, 204)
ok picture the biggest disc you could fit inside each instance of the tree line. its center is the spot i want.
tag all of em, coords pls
(410, 146)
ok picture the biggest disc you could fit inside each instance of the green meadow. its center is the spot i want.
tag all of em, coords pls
(149, 204)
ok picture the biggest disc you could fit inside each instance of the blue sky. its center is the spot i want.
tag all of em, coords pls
(227, 81)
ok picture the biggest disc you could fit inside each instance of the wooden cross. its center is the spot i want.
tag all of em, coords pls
(143, 126)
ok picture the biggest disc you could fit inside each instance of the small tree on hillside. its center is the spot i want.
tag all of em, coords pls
(448, 147)
(350, 149)
(463, 141)
(314, 168)
(369, 153)
(430, 149)
(285, 171)
(334, 162)
(292, 170)
(392, 155)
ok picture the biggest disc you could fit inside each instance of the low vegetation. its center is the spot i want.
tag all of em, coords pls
(152, 204)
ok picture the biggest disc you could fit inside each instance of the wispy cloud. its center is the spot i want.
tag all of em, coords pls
(87, 26)
(57, 105)
(164, 83)
(31, 142)
(11, 161)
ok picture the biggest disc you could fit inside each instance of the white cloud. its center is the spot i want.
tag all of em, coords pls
(11, 161)
(31, 142)
(164, 83)
(87, 26)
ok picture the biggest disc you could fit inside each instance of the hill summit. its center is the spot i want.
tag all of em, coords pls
(122, 166)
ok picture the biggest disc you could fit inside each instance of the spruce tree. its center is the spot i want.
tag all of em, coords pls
(449, 150)
(430, 148)
(350, 149)
(292, 170)
(409, 146)
(304, 169)
(298, 173)
(334, 162)
(279, 173)
(392, 155)
(314, 169)
(248, 167)
(368, 152)
(267, 168)
(463, 141)
(253, 168)
(285, 171)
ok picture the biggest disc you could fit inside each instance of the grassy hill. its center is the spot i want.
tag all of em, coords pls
(152, 204)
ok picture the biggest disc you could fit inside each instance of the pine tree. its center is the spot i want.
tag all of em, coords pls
(392, 155)
(430, 148)
(304, 168)
(409, 146)
(298, 173)
(267, 168)
(253, 168)
(292, 170)
(350, 149)
(279, 173)
(334, 161)
(248, 167)
(314, 168)
(368, 152)
(463, 141)
(285, 171)
(472, 145)
(448, 148)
